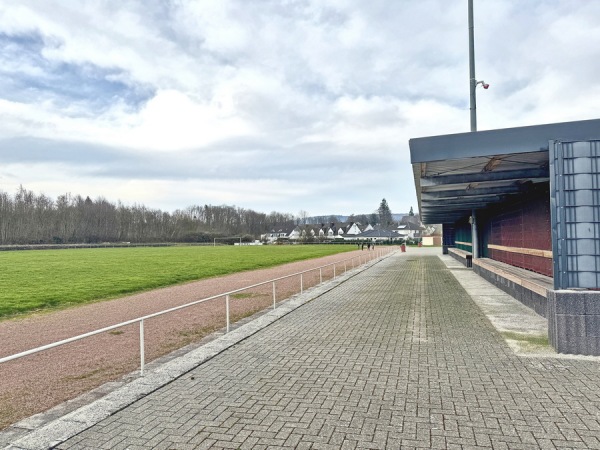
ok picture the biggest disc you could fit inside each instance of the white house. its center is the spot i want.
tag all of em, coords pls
(322, 231)
(347, 231)
(378, 236)
(352, 229)
(409, 229)
(275, 235)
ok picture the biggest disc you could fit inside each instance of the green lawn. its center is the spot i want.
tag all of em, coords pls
(43, 279)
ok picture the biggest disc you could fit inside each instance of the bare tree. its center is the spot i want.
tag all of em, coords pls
(302, 217)
(29, 218)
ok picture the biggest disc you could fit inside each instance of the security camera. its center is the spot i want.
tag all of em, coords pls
(485, 85)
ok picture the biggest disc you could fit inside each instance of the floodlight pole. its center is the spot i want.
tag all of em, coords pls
(472, 80)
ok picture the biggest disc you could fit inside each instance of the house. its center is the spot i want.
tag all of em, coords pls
(380, 235)
(277, 235)
(346, 231)
(295, 234)
(410, 230)
(429, 241)
(302, 233)
(351, 229)
(343, 230)
(325, 231)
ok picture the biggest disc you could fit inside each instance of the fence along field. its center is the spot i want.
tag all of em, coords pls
(37, 382)
(50, 279)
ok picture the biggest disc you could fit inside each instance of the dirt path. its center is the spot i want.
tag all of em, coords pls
(38, 382)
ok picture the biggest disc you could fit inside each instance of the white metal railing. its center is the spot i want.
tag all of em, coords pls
(368, 256)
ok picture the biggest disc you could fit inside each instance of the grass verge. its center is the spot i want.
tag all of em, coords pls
(524, 343)
(50, 279)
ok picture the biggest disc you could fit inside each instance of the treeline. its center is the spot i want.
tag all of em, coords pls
(363, 219)
(29, 218)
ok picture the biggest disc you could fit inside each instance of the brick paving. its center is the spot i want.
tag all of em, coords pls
(398, 356)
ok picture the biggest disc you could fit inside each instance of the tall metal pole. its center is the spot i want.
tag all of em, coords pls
(472, 80)
(474, 236)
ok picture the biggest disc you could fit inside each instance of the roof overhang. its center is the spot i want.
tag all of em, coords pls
(457, 173)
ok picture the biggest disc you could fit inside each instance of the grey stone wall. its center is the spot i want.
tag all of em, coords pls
(574, 321)
(575, 211)
(529, 298)
(458, 256)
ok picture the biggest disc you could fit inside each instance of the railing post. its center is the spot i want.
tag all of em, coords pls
(142, 356)
(227, 310)
(385, 251)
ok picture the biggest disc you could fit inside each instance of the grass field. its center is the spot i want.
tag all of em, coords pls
(45, 279)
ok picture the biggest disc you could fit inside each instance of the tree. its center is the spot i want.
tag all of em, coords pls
(385, 214)
(373, 218)
(29, 218)
(411, 212)
(302, 217)
(332, 219)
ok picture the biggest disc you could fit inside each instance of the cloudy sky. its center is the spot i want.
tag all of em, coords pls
(273, 105)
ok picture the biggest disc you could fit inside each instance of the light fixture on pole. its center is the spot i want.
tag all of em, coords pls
(472, 80)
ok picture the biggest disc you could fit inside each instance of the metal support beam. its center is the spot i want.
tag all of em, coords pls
(505, 175)
(466, 200)
(468, 193)
(474, 239)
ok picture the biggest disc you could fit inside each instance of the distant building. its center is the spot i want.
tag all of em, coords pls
(410, 229)
(346, 231)
(380, 235)
(280, 234)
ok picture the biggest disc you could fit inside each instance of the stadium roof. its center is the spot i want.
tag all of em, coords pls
(457, 173)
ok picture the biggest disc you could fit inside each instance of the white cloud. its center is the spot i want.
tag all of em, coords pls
(273, 105)
(171, 120)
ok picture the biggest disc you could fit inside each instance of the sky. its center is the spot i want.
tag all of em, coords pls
(272, 105)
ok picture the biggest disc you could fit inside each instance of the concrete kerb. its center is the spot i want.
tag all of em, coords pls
(44, 430)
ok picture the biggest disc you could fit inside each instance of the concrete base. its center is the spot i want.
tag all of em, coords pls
(529, 298)
(574, 322)
(459, 255)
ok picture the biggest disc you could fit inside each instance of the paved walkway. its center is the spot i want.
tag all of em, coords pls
(398, 356)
